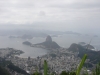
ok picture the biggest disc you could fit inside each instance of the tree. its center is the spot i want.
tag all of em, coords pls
(64, 73)
(3, 71)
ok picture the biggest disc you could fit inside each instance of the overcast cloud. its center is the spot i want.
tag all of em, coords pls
(72, 15)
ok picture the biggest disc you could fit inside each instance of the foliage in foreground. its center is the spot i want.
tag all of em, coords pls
(81, 65)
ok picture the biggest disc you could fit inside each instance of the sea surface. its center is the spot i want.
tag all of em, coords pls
(63, 40)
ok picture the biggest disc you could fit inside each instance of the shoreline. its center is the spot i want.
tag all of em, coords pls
(9, 52)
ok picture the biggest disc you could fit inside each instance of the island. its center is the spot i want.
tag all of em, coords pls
(27, 43)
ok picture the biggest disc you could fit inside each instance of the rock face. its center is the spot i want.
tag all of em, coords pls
(49, 43)
(48, 39)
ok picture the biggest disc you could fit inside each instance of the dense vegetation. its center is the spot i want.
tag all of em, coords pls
(93, 56)
(17, 69)
(3, 71)
(7, 64)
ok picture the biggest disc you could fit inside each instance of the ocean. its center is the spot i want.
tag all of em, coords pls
(62, 40)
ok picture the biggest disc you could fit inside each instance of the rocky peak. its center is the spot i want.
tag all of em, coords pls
(48, 39)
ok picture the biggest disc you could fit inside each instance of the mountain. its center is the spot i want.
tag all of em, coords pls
(89, 47)
(94, 56)
(48, 43)
(73, 47)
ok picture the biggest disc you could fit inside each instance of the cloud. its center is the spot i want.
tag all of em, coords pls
(51, 14)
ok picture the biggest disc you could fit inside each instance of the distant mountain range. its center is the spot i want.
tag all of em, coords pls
(35, 33)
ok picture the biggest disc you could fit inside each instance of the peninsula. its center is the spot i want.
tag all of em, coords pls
(48, 44)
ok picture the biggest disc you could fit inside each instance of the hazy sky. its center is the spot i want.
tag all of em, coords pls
(71, 15)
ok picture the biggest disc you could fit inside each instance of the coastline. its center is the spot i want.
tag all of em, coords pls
(9, 52)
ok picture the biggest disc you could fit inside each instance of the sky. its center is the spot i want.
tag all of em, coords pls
(61, 15)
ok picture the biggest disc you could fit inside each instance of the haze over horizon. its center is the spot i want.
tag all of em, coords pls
(67, 15)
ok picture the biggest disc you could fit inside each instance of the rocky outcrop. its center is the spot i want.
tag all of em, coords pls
(48, 39)
(48, 43)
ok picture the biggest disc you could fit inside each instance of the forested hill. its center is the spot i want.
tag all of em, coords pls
(7, 65)
(3, 71)
(94, 56)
